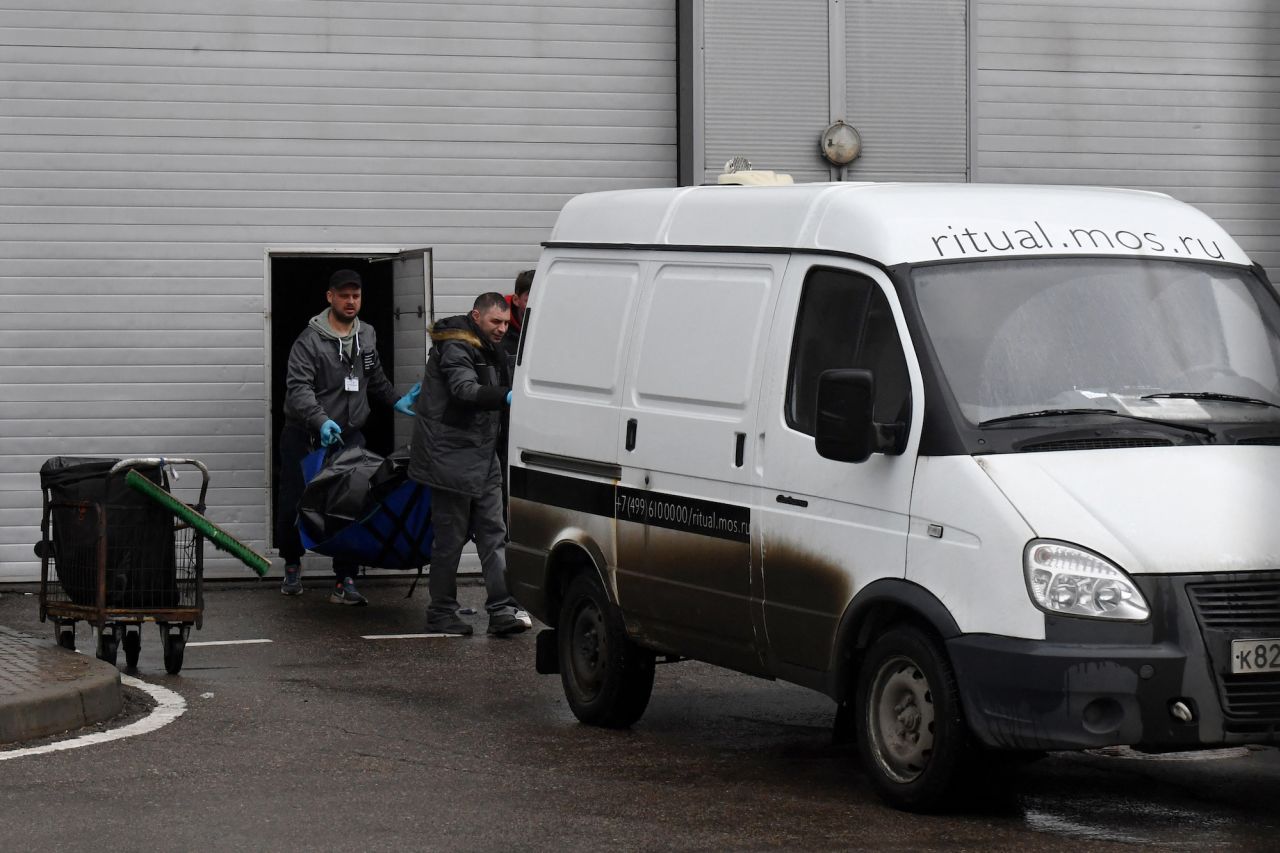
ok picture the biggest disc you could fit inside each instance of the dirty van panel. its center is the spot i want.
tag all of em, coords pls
(693, 592)
(689, 590)
(683, 500)
(550, 509)
(806, 596)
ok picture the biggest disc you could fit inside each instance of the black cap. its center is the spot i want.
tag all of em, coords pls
(345, 277)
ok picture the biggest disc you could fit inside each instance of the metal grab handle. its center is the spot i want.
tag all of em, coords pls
(160, 462)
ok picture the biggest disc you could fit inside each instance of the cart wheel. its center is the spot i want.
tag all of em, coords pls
(66, 634)
(108, 644)
(174, 645)
(132, 648)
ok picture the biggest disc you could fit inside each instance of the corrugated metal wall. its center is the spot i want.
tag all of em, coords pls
(149, 156)
(776, 74)
(908, 89)
(1175, 95)
(765, 65)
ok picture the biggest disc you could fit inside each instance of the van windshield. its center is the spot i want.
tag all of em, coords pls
(1169, 340)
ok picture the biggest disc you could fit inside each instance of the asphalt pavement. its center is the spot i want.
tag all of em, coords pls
(322, 739)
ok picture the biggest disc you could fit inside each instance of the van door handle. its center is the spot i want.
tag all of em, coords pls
(787, 499)
(631, 434)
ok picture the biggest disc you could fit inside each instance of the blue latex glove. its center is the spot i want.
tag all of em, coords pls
(405, 404)
(330, 433)
(508, 398)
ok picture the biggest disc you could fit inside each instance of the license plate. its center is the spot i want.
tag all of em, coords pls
(1255, 656)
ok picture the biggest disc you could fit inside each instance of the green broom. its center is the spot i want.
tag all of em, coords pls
(220, 538)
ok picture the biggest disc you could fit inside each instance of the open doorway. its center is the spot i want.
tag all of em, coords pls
(396, 289)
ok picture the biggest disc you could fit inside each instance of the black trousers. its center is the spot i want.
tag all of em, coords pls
(296, 441)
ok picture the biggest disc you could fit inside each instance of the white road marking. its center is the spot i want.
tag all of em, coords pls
(404, 636)
(169, 707)
(226, 643)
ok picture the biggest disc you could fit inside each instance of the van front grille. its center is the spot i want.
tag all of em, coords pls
(1237, 605)
(1252, 696)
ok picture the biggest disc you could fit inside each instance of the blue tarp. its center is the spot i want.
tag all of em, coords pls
(393, 532)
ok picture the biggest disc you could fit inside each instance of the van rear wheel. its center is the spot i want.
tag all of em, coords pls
(607, 678)
(912, 737)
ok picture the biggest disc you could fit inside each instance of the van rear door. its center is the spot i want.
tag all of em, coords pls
(564, 428)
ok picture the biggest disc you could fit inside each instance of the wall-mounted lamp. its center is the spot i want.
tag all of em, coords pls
(840, 144)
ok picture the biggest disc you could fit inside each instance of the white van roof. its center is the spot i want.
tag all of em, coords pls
(895, 223)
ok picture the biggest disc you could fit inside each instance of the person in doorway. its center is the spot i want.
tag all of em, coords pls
(333, 369)
(465, 391)
(517, 302)
(511, 348)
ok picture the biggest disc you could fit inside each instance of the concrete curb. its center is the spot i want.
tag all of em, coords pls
(50, 689)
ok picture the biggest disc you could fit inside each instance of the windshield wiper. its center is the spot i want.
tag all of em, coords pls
(1211, 395)
(1045, 413)
(1049, 413)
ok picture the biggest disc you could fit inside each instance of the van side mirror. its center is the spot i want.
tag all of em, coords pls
(846, 431)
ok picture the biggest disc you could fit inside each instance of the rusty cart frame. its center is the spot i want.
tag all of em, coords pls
(117, 567)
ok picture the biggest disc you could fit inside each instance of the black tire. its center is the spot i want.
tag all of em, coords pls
(108, 646)
(914, 743)
(132, 648)
(65, 632)
(607, 678)
(174, 643)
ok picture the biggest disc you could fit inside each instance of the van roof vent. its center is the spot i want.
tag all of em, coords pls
(738, 171)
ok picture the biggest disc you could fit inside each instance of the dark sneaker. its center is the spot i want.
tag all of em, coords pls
(345, 593)
(448, 625)
(292, 583)
(503, 624)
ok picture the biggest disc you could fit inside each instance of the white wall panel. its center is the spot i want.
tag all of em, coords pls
(149, 157)
(1173, 95)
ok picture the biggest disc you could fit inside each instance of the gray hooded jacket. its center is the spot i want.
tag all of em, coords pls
(319, 364)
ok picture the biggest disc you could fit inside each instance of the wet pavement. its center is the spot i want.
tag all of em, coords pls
(325, 740)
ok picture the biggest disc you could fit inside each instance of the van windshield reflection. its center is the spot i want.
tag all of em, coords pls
(1161, 340)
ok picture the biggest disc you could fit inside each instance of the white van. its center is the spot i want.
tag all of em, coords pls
(993, 467)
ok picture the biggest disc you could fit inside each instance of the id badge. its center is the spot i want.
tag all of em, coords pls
(353, 383)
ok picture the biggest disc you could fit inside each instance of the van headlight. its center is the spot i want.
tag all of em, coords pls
(1071, 581)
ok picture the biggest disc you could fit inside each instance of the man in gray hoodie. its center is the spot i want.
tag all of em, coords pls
(333, 367)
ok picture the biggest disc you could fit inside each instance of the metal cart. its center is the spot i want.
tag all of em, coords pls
(115, 559)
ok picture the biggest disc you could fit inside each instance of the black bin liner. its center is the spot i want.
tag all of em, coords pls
(141, 570)
(343, 492)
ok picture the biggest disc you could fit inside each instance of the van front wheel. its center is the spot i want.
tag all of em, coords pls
(607, 678)
(911, 734)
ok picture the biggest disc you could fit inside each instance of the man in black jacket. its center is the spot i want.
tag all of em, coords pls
(465, 391)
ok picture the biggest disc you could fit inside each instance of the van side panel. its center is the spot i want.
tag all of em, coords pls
(684, 534)
(564, 426)
(574, 353)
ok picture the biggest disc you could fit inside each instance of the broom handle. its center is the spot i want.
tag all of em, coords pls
(220, 538)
